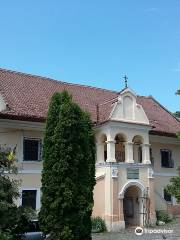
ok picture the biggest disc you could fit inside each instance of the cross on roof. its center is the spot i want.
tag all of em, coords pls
(126, 82)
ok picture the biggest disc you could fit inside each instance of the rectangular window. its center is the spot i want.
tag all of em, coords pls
(167, 196)
(105, 155)
(32, 149)
(151, 156)
(132, 173)
(166, 158)
(29, 198)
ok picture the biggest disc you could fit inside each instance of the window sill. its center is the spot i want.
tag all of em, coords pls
(167, 167)
(39, 161)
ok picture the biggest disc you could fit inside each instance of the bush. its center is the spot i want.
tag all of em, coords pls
(5, 236)
(163, 216)
(98, 224)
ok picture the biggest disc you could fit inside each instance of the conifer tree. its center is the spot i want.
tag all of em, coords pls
(68, 176)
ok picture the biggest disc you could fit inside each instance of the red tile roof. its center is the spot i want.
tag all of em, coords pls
(27, 98)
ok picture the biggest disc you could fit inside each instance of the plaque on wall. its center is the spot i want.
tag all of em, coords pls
(114, 172)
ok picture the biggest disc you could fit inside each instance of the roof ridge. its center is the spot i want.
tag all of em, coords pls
(55, 80)
(150, 96)
(164, 108)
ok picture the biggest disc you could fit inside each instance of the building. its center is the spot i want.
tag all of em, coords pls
(137, 148)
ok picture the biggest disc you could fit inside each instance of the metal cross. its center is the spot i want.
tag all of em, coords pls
(126, 83)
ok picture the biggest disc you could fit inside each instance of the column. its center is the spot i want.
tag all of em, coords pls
(152, 201)
(129, 152)
(121, 222)
(145, 153)
(111, 151)
(99, 152)
(121, 212)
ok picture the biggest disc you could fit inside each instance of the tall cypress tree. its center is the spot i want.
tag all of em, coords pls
(68, 176)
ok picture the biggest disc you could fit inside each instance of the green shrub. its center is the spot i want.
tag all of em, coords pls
(5, 236)
(163, 216)
(98, 224)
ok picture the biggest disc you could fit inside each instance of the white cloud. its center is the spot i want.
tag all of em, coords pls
(177, 68)
(152, 9)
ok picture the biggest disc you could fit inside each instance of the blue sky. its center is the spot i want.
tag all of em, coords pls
(96, 42)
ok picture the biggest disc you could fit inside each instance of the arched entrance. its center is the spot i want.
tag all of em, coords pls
(132, 194)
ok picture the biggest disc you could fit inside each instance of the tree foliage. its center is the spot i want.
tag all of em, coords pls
(68, 176)
(13, 219)
(177, 114)
(8, 189)
(174, 187)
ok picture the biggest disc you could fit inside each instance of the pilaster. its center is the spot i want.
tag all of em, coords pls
(99, 152)
(146, 153)
(111, 151)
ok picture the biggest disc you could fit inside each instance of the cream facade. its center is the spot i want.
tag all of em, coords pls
(130, 179)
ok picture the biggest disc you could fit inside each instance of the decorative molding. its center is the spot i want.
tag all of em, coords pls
(163, 139)
(26, 125)
(164, 174)
(3, 105)
(150, 173)
(122, 165)
(111, 141)
(30, 171)
(131, 183)
(100, 176)
(114, 172)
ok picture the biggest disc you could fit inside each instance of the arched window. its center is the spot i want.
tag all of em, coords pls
(120, 148)
(104, 139)
(101, 148)
(137, 149)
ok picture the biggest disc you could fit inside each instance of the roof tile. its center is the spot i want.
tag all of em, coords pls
(28, 97)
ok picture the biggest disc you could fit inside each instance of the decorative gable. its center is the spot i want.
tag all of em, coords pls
(127, 109)
(2, 104)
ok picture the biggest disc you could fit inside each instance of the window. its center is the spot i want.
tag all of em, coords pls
(167, 196)
(166, 158)
(32, 149)
(151, 156)
(140, 154)
(105, 155)
(132, 173)
(29, 198)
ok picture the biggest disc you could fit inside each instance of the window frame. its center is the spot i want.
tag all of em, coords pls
(151, 156)
(40, 143)
(170, 160)
(171, 201)
(34, 203)
(38, 196)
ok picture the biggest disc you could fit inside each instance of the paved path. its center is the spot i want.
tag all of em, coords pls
(129, 234)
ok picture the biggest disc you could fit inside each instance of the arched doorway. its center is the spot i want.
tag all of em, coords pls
(132, 206)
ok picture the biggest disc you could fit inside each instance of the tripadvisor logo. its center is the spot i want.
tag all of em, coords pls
(139, 231)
